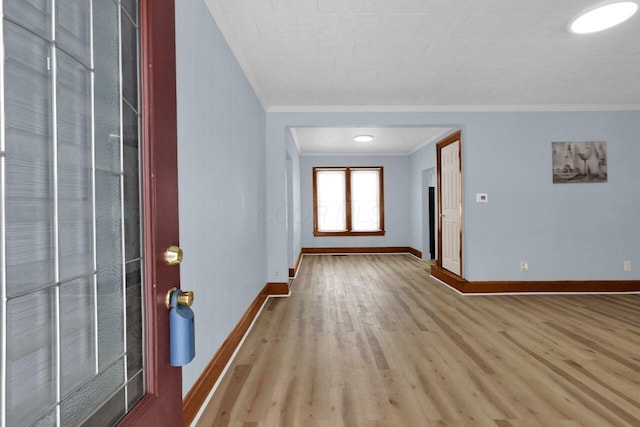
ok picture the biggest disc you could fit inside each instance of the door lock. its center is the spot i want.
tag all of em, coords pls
(173, 255)
(184, 297)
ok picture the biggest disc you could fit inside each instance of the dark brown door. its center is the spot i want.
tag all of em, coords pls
(83, 339)
(162, 405)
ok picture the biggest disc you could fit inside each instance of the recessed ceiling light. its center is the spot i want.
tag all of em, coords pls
(363, 138)
(603, 17)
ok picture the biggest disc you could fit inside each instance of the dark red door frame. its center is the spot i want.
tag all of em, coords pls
(162, 405)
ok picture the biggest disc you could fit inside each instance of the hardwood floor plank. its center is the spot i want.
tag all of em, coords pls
(229, 398)
(376, 349)
(613, 411)
(371, 340)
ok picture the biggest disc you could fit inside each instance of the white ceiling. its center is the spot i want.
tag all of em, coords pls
(394, 55)
(386, 141)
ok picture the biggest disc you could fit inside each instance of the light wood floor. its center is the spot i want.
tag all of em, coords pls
(368, 340)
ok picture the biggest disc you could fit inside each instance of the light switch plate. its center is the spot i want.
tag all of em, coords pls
(482, 198)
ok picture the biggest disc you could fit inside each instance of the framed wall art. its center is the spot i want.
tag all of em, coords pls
(579, 162)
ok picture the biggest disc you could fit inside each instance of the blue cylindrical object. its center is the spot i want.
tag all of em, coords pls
(181, 333)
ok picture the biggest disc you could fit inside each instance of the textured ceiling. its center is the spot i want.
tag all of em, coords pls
(429, 54)
(386, 141)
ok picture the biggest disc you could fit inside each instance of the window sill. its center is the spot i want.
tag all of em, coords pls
(347, 233)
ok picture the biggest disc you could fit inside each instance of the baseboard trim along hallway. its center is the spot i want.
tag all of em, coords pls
(214, 370)
(551, 286)
(353, 250)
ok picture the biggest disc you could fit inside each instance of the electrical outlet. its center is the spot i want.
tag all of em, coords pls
(524, 266)
(627, 266)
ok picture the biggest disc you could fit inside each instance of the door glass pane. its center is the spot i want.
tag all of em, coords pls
(109, 263)
(77, 326)
(107, 85)
(73, 28)
(48, 420)
(131, 7)
(35, 15)
(129, 62)
(110, 413)
(135, 389)
(74, 168)
(29, 162)
(31, 357)
(132, 213)
(134, 319)
(82, 403)
(131, 184)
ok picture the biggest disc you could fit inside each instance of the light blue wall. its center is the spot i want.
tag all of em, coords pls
(221, 161)
(396, 200)
(564, 231)
(294, 231)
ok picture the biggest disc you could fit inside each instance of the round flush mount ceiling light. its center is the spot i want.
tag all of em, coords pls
(363, 138)
(603, 16)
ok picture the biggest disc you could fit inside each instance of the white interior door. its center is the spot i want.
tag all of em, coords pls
(451, 206)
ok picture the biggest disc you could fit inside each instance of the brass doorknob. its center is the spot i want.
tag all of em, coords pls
(173, 255)
(183, 298)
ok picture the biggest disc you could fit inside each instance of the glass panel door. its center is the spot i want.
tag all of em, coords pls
(71, 311)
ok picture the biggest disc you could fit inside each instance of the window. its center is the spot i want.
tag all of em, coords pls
(348, 201)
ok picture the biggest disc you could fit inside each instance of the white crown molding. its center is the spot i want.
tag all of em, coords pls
(334, 154)
(452, 108)
(234, 45)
